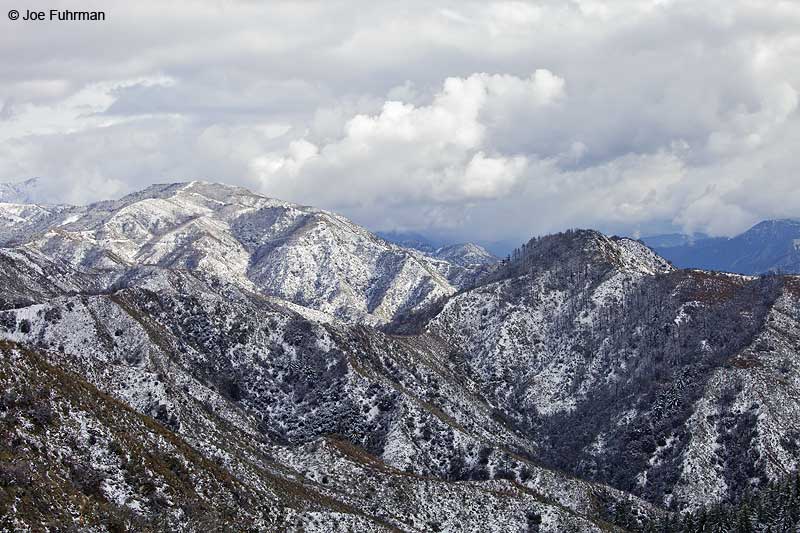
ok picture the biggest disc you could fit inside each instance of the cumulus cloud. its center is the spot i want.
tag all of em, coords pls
(492, 120)
(442, 152)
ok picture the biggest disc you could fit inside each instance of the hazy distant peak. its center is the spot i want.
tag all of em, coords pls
(21, 192)
(769, 246)
(466, 254)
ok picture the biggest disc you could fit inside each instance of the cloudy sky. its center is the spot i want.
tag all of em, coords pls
(480, 120)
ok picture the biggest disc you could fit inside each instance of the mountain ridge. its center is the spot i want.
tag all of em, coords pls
(253, 239)
(768, 246)
(21, 192)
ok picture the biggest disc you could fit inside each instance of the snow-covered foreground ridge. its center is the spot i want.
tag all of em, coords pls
(197, 357)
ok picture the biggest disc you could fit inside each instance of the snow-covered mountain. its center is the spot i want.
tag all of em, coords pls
(309, 256)
(259, 386)
(678, 386)
(465, 254)
(198, 357)
(21, 192)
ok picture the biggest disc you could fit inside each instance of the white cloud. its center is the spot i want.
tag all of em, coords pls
(74, 112)
(438, 152)
(494, 119)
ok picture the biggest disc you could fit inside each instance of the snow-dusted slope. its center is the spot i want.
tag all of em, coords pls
(308, 256)
(661, 382)
(465, 254)
(21, 192)
(82, 461)
(21, 221)
(516, 328)
(235, 337)
(255, 387)
(27, 277)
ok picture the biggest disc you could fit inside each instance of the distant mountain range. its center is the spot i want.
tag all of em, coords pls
(463, 254)
(425, 243)
(21, 192)
(769, 246)
(412, 239)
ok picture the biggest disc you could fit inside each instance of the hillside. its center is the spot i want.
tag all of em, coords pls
(308, 256)
(218, 358)
(677, 386)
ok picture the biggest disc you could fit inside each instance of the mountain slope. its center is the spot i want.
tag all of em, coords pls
(71, 456)
(466, 254)
(410, 239)
(585, 382)
(21, 192)
(308, 256)
(253, 386)
(80, 459)
(677, 386)
(23, 220)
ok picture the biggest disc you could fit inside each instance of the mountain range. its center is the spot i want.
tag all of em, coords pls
(769, 246)
(464, 254)
(196, 357)
(22, 192)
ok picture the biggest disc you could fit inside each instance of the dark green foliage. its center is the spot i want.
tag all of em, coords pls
(534, 522)
(661, 382)
(8, 321)
(774, 509)
(42, 414)
(15, 474)
(736, 450)
(87, 479)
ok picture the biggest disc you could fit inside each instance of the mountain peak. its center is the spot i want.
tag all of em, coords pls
(304, 255)
(582, 249)
(769, 246)
(218, 192)
(21, 192)
(775, 226)
(466, 254)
